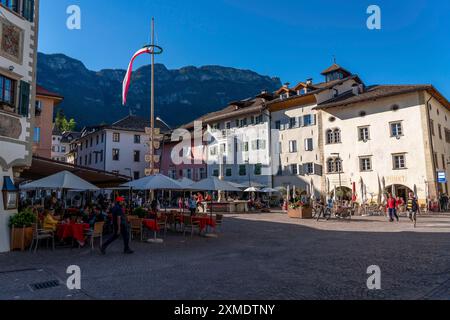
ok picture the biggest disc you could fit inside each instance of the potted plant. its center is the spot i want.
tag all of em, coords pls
(21, 225)
(140, 212)
(300, 210)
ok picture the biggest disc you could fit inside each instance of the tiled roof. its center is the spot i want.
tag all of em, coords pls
(372, 93)
(334, 67)
(135, 123)
(41, 91)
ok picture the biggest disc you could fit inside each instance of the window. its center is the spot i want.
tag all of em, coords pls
(12, 5)
(308, 168)
(63, 149)
(258, 169)
(7, 92)
(259, 119)
(101, 156)
(97, 140)
(189, 173)
(293, 122)
(333, 136)
(92, 140)
(243, 122)
(37, 135)
(90, 158)
(242, 170)
(216, 173)
(245, 146)
(259, 144)
(365, 164)
(115, 154)
(213, 151)
(85, 160)
(399, 161)
(309, 144)
(432, 127)
(294, 169)
(136, 175)
(137, 156)
(334, 165)
(307, 120)
(364, 133)
(229, 172)
(228, 125)
(96, 157)
(202, 172)
(447, 135)
(292, 146)
(278, 125)
(396, 129)
(440, 131)
(116, 137)
(103, 137)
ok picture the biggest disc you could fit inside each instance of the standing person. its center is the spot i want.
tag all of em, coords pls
(193, 205)
(120, 227)
(412, 207)
(392, 208)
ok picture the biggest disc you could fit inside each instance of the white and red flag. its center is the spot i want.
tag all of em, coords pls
(127, 80)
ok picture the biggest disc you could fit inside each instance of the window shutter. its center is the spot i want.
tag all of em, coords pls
(314, 119)
(28, 10)
(300, 122)
(24, 101)
(318, 169)
(301, 170)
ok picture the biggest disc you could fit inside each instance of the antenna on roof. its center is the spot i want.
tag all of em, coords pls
(334, 59)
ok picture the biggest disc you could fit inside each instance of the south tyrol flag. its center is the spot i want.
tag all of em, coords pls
(127, 80)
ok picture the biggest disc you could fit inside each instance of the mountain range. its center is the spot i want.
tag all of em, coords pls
(182, 95)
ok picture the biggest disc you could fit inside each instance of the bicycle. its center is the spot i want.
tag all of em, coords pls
(324, 212)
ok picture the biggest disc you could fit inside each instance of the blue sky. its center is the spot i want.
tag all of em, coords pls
(291, 39)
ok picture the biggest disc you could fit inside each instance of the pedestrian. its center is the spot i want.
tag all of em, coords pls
(193, 206)
(412, 207)
(392, 208)
(120, 227)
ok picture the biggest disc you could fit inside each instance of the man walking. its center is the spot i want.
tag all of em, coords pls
(392, 208)
(120, 227)
(412, 207)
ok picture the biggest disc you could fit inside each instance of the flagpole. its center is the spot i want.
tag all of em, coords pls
(152, 103)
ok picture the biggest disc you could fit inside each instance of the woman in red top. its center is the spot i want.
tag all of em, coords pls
(392, 208)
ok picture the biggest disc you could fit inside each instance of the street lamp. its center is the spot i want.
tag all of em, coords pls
(338, 157)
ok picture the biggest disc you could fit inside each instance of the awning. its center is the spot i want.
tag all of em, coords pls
(41, 168)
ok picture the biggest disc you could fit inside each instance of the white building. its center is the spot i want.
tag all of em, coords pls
(239, 150)
(119, 148)
(18, 46)
(373, 139)
(61, 145)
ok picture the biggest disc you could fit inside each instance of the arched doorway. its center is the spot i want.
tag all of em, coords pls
(399, 190)
(342, 193)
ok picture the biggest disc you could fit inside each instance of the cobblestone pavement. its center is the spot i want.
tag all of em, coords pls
(267, 256)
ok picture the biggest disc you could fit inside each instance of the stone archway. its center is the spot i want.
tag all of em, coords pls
(399, 190)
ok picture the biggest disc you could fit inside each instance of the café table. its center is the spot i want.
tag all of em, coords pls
(72, 230)
(204, 221)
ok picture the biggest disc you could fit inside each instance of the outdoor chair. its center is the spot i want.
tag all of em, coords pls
(136, 227)
(40, 234)
(97, 232)
(219, 220)
(171, 222)
(188, 224)
(162, 224)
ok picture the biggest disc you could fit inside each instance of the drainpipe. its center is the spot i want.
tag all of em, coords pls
(432, 146)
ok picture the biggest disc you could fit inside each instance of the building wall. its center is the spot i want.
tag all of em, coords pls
(16, 131)
(44, 121)
(283, 158)
(381, 145)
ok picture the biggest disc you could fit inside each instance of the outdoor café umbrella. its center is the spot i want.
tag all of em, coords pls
(64, 180)
(154, 182)
(380, 191)
(312, 188)
(269, 190)
(213, 184)
(252, 189)
(185, 182)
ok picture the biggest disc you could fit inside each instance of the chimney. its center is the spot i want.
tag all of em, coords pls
(309, 82)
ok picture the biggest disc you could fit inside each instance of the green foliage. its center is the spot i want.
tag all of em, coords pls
(63, 124)
(23, 219)
(140, 212)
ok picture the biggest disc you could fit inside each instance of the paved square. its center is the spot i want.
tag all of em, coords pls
(267, 256)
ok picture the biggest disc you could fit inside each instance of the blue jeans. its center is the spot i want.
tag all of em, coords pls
(393, 213)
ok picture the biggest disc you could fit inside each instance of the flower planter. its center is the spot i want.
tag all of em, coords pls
(21, 238)
(300, 213)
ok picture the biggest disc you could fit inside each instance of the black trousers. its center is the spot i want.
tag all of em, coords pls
(125, 235)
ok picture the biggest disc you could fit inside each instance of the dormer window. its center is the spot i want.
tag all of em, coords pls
(334, 76)
(335, 72)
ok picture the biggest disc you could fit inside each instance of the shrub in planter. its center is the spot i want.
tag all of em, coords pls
(21, 229)
(140, 212)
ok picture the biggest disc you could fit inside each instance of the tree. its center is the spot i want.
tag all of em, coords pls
(62, 123)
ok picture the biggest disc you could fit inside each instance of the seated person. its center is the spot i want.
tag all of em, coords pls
(50, 222)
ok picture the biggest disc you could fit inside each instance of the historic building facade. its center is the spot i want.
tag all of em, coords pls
(18, 52)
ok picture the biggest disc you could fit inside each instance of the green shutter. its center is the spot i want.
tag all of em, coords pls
(24, 102)
(28, 10)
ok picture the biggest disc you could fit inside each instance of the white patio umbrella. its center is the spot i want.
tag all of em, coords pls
(155, 182)
(185, 182)
(361, 182)
(380, 191)
(252, 189)
(62, 180)
(312, 189)
(269, 190)
(213, 184)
